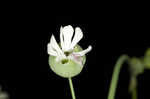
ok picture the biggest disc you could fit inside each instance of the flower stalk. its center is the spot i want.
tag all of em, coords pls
(72, 88)
(134, 93)
(115, 76)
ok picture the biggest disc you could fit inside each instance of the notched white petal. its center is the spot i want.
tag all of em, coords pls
(67, 33)
(56, 48)
(61, 37)
(50, 50)
(84, 51)
(77, 37)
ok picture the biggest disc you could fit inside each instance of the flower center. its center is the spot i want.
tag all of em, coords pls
(67, 53)
(64, 61)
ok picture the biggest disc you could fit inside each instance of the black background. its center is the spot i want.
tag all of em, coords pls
(112, 31)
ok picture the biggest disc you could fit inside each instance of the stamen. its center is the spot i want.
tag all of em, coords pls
(67, 53)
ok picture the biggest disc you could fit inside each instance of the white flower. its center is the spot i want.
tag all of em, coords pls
(68, 42)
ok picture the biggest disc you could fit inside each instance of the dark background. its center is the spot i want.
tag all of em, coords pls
(112, 31)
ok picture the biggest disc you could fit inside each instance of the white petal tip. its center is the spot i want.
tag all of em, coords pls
(90, 48)
(84, 51)
(79, 31)
(68, 27)
(61, 29)
(52, 37)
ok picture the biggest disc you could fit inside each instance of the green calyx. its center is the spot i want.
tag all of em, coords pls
(67, 68)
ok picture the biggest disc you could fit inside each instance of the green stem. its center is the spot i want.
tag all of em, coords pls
(71, 88)
(134, 94)
(115, 76)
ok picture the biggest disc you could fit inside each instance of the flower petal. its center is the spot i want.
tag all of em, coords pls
(77, 37)
(61, 37)
(56, 48)
(50, 50)
(67, 33)
(83, 52)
